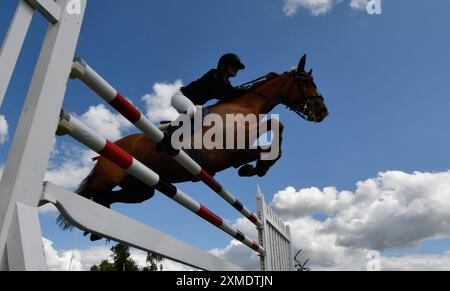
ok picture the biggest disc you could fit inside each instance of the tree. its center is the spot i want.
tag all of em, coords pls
(152, 263)
(121, 261)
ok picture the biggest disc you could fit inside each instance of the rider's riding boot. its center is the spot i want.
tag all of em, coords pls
(185, 117)
(166, 143)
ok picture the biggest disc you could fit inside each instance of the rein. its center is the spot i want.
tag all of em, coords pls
(303, 109)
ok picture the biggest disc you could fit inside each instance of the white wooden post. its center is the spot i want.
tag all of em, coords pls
(30, 150)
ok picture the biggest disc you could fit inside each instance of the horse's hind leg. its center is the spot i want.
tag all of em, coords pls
(133, 191)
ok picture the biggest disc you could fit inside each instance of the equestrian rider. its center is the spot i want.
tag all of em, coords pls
(213, 85)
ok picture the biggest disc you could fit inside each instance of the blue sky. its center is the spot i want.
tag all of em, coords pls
(384, 77)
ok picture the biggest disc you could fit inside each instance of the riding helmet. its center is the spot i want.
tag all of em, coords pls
(231, 59)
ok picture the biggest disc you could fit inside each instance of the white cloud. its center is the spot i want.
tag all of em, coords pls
(417, 263)
(69, 165)
(3, 130)
(81, 260)
(109, 125)
(2, 167)
(316, 7)
(394, 211)
(158, 103)
(319, 7)
(311, 201)
(68, 175)
(359, 4)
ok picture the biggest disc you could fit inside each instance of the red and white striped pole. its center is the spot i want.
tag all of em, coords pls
(82, 71)
(85, 135)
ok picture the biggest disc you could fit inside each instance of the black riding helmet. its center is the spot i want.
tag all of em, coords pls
(230, 59)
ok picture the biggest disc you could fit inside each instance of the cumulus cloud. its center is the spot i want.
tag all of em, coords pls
(158, 102)
(75, 260)
(3, 130)
(394, 211)
(318, 7)
(310, 201)
(359, 4)
(417, 263)
(109, 125)
(69, 165)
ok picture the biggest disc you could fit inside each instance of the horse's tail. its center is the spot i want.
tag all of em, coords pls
(81, 190)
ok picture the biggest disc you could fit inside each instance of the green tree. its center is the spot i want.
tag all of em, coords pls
(121, 260)
(152, 263)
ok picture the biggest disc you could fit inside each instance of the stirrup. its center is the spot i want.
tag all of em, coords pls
(165, 145)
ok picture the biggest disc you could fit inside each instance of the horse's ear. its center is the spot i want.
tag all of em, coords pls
(302, 64)
(310, 72)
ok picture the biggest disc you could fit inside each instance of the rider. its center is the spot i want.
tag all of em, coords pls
(213, 85)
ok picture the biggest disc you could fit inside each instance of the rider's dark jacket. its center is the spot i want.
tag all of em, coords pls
(211, 86)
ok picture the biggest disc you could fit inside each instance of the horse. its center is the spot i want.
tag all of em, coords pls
(108, 183)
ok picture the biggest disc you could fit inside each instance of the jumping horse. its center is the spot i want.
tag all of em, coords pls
(108, 183)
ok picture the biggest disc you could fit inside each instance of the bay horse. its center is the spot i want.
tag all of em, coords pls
(108, 183)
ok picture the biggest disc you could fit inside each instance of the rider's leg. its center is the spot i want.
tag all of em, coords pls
(183, 105)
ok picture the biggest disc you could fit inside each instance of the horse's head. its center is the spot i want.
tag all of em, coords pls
(303, 97)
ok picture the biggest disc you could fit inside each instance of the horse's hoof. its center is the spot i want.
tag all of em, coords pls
(247, 171)
(95, 237)
(92, 237)
(262, 173)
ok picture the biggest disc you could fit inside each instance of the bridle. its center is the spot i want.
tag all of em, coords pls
(304, 109)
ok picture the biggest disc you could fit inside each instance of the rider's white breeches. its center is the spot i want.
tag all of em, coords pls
(183, 105)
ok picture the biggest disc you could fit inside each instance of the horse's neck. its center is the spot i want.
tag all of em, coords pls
(265, 97)
(259, 101)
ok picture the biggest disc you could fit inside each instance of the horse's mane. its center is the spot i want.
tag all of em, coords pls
(260, 81)
(251, 86)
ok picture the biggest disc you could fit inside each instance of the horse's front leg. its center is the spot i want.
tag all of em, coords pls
(267, 156)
